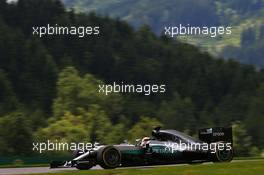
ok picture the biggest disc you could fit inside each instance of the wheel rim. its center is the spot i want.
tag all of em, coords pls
(112, 157)
(225, 155)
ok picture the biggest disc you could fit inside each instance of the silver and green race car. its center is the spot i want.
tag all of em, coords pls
(163, 147)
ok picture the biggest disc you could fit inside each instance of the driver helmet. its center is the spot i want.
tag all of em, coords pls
(145, 141)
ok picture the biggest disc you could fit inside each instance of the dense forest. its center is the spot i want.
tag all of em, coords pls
(240, 15)
(49, 85)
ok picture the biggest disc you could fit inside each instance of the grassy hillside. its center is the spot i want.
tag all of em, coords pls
(155, 13)
(239, 15)
(216, 45)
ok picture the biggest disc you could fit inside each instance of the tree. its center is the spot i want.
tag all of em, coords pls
(38, 76)
(97, 123)
(143, 128)
(255, 118)
(92, 125)
(68, 87)
(2, 7)
(8, 100)
(15, 134)
(68, 128)
(117, 134)
(242, 142)
(178, 114)
(27, 15)
(74, 92)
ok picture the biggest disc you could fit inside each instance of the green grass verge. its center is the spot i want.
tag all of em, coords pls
(23, 165)
(252, 167)
(248, 158)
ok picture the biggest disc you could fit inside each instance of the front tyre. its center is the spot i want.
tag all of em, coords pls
(84, 166)
(109, 157)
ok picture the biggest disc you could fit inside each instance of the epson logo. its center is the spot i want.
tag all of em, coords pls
(218, 134)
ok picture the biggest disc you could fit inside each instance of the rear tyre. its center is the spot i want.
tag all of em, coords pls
(109, 157)
(224, 155)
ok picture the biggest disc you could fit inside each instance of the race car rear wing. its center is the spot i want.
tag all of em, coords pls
(216, 134)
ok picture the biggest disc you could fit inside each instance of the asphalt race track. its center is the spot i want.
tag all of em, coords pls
(36, 170)
(30, 170)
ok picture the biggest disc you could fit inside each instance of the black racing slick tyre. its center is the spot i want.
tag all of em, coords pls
(109, 157)
(225, 155)
(84, 166)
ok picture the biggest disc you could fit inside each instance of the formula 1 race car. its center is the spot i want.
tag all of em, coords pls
(164, 147)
